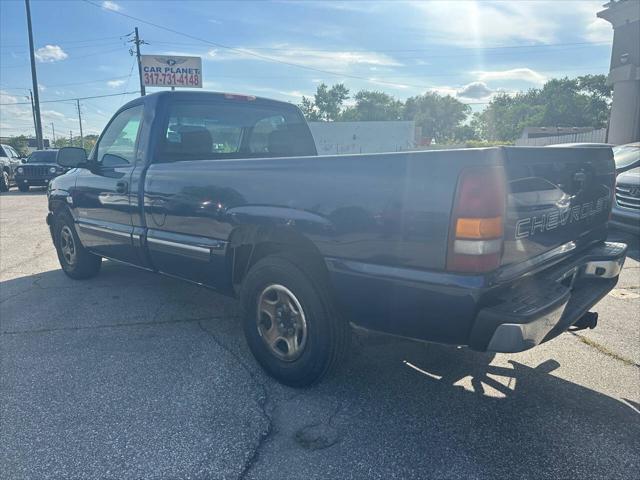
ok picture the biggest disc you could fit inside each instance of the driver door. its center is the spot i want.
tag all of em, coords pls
(101, 197)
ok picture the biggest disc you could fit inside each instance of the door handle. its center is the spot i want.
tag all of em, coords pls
(122, 187)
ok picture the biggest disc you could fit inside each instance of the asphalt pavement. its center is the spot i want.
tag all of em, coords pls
(134, 375)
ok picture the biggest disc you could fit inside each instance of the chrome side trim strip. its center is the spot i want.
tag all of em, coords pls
(183, 246)
(95, 228)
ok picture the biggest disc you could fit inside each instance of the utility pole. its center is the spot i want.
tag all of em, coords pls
(138, 42)
(34, 80)
(53, 134)
(33, 113)
(70, 138)
(80, 122)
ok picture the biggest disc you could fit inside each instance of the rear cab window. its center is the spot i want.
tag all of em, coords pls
(233, 129)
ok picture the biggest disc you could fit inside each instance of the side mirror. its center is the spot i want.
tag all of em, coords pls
(23, 160)
(71, 157)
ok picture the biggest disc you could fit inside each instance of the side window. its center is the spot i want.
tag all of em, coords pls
(259, 141)
(2, 152)
(117, 146)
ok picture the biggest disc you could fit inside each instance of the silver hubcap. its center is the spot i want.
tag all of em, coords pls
(281, 322)
(67, 245)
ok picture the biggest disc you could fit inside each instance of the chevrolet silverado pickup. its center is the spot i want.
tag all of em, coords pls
(499, 249)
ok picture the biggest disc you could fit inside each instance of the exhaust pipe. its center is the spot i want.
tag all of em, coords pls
(588, 320)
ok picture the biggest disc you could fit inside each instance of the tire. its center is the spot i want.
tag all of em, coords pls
(4, 181)
(76, 261)
(320, 339)
(23, 187)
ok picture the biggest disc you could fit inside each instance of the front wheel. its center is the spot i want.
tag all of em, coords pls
(23, 187)
(76, 261)
(290, 323)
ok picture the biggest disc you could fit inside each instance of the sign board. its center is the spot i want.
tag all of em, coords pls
(169, 71)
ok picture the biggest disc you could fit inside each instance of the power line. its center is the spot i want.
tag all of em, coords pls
(241, 51)
(74, 99)
(65, 41)
(66, 60)
(76, 47)
(248, 52)
(70, 84)
(399, 50)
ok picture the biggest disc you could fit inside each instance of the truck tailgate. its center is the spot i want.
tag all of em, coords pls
(558, 199)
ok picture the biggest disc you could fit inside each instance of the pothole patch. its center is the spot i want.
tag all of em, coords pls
(623, 293)
(317, 437)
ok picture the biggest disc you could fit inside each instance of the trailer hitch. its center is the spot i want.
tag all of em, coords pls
(588, 320)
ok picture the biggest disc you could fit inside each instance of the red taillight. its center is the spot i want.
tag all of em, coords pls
(477, 222)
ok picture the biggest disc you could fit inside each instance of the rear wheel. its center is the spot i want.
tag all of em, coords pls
(4, 181)
(76, 261)
(290, 323)
(23, 187)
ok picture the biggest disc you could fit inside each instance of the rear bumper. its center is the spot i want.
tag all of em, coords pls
(538, 309)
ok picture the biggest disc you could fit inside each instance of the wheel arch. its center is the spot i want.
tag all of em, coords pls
(250, 243)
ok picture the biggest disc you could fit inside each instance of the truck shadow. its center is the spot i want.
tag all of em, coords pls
(404, 406)
(495, 416)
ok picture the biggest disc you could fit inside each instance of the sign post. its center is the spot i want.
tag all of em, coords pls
(171, 71)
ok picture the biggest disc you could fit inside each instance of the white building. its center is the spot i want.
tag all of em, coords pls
(363, 137)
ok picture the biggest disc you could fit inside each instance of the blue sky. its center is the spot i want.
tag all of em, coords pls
(469, 49)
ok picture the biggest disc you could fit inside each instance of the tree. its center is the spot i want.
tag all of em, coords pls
(373, 106)
(438, 116)
(561, 102)
(309, 109)
(89, 142)
(327, 103)
(19, 143)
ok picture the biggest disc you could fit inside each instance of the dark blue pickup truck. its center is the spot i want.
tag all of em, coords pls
(499, 249)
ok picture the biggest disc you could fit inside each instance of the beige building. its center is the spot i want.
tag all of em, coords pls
(624, 73)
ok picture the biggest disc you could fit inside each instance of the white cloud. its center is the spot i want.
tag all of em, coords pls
(520, 74)
(52, 115)
(296, 94)
(388, 84)
(50, 53)
(333, 60)
(470, 23)
(491, 23)
(599, 30)
(444, 90)
(475, 91)
(109, 5)
(115, 83)
(5, 97)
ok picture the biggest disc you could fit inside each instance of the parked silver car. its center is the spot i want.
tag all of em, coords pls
(9, 161)
(626, 209)
(627, 156)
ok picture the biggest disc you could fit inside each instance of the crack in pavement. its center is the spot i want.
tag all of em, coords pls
(263, 402)
(112, 325)
(604, 350)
